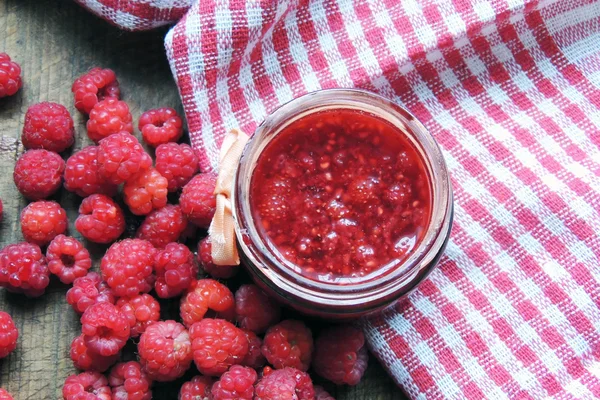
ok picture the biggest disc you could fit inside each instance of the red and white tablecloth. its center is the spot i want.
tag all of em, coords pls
(511, 91)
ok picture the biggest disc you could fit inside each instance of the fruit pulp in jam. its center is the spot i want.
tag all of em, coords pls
(341, 194)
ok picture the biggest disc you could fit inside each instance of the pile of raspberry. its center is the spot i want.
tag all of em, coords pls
(240, 344)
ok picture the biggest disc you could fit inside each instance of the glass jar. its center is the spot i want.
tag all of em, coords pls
(330, 299)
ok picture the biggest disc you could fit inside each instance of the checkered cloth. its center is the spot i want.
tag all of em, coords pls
(511, 91)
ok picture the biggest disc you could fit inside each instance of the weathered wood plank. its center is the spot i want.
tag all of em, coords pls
(55, 41)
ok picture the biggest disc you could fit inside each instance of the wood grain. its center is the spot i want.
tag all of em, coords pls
(55, 41)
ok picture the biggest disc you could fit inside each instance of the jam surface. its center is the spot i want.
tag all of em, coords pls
(340, 194)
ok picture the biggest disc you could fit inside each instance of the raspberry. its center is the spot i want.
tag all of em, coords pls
(217, 345)
(42, 221)
(129, 382)
(254, 358)
(8, 334)
(176, 162)
(0, 210)
(120, 157)
(48, 126)
(105, 329)
(146, 191)
(163, 226)
(23, 269)
(4, 395)
(321, 394)
(87, 291)
(68, 259)
(237, 383)
(94, 86)
(288, 344)
(255, 310)
(38, 174)
(127, 267)
(82, 177)
(100, 219)
(198, 388)
(141, 311)
(175, 270)
(204, 295)
(198, 201)
(341, 355)
(205, 259)
(161, 125)
(107, 117)
(10, 76)
(165, 350)
(88, 385)
(85, 360)
(286, 383)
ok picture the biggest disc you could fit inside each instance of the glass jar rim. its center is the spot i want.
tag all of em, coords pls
(288, 282)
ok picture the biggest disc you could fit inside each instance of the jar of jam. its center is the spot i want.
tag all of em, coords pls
(342, 203)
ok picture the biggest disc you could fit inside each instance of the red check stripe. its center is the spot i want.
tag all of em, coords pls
(511, 91)
(137, 15)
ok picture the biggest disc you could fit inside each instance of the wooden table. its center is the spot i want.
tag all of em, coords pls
(55, 41)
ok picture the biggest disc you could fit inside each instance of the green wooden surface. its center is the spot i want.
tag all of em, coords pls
(55, 41)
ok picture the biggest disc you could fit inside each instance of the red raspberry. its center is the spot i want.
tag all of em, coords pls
(321, 394)
(163, 226)
(175, 270)
(198, 388)
(88, 385)
(23, 269)
(161, 125)
(255, 310)
(237, 383)
(120, 157)
(85, 360)
(42, 221)
(87, 291)
(254, 358)
(198, 201)
(206, 261)
(204, 295)
(10, 76)
(217, 345)
(68, 259)
(165, 350)
(288, 344)
(38, 173)
(82, 177)
(107, 117)
(286, 383)
(105, 329)
(0, 210)
(127, 267)
(129, 382)
(146, 191)
(4, 395)
(176, 162)
(98, 84)
(48, 126)
(341, 355)
(100, 219)
(141, 311)
(8, 334)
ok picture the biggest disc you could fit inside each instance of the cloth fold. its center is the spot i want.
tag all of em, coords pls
(511, 91)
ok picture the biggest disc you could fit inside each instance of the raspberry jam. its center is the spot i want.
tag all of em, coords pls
(341, 193)
(342, 203)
